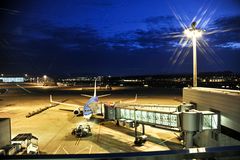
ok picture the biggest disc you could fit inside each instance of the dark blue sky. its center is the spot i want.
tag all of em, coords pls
(113, 37)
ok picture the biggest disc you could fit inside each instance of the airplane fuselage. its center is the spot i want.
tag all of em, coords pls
(87, 113)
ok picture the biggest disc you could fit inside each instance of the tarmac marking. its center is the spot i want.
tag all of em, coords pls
(23, 88)
(5, 114)
(98, 133)
(82, 150)
(176, 135)
(65, 150)
(167, 140)
(57, 149)
(77, 141)
(90, 150)
(59, 131)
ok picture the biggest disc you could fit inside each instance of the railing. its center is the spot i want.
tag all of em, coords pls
(226, 152)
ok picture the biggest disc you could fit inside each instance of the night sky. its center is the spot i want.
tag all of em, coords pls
(114, 37)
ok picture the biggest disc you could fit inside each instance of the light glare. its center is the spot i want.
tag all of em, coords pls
(190, 33)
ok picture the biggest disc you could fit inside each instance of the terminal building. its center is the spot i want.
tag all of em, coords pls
(5, 131)
(224, 102)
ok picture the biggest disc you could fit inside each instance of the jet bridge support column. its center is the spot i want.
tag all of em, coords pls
(190, 125)
(143, 129)
(188, 139)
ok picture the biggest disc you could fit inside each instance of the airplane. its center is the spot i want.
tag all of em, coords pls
(85, 109)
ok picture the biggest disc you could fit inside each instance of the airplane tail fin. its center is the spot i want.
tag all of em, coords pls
(135, 98)
(51, 98)
(94, 93)
(133, 101)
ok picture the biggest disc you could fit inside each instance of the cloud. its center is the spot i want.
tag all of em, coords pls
(142, 39)
(9, 11)
(159, 19)
(225, 32)
(49, 48)
(228, 22)
(231, 45)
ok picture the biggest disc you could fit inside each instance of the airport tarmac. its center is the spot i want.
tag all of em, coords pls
(53, 126)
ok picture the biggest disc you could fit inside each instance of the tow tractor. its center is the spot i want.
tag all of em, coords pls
(82, 130)
(140, 140)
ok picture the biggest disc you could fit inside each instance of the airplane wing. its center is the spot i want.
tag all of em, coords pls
(63, 103)
(78, 102)
(85, 95)
(129, 101)
(70, 110)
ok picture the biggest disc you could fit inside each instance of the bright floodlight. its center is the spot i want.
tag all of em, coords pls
(45, 76)
(194, 33)
(190, 33)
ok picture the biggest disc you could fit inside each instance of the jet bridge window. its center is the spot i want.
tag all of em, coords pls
(165, 119)
(138, 115)
(144, 116)
(127, 113)
(173, 120)
(123, 115)
(131, 112)
(158, 118)
(210, 121)
(151, 117)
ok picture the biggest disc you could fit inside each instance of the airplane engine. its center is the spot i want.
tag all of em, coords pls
(77, 112)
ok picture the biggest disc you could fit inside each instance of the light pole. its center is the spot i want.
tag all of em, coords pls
(45, 78)
(194, 33)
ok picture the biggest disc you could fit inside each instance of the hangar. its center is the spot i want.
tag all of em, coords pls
(11, 79)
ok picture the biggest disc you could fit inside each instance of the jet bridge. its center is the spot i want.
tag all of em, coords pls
(174, 117)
